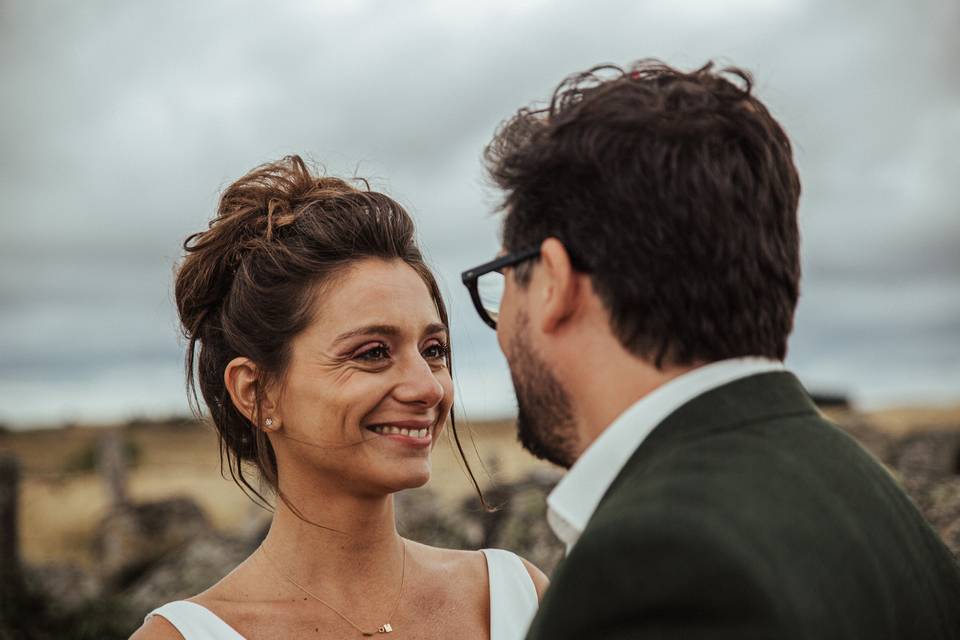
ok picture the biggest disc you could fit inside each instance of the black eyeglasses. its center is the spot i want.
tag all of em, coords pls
(486, 283)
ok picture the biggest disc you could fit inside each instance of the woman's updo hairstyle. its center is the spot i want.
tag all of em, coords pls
(249, 284)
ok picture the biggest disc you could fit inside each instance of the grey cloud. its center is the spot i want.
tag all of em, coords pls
(121, 121)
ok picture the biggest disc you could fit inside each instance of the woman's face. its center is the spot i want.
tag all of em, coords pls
(367, 391)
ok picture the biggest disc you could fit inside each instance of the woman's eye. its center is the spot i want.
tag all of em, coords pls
(436, 351)
(378, 352)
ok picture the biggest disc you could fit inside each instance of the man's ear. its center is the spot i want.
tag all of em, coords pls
(241, 378)
(560, 286)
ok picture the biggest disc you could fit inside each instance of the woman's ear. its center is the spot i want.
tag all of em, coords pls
(241, 378)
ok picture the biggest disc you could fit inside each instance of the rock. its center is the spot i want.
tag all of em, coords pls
(184, 571)
(932, 453)
(524, 529)
(67, 588)
(939, 500)
(131, 537)
(519, 523)
(420, 517)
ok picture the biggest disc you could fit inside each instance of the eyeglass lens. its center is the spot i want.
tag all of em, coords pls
(490, 287)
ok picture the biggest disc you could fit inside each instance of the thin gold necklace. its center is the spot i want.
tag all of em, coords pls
(384, 628)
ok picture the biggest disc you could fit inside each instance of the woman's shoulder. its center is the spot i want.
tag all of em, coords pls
(472, 565)
(539, 578)
(201, 612)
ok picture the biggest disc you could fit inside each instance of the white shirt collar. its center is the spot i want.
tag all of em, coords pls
(572, 502)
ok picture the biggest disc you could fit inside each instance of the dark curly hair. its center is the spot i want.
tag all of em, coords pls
(249, 284)
(676, 191)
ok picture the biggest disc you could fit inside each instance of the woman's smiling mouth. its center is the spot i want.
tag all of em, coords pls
(388, 430)
(419, 432)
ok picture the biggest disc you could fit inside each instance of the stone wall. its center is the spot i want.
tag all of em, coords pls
(155, 552)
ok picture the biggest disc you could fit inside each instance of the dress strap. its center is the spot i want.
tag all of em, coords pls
(195, 622)
(513, 596)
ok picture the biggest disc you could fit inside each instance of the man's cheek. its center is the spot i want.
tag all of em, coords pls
(503, 328)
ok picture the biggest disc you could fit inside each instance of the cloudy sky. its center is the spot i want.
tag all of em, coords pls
(121, 121)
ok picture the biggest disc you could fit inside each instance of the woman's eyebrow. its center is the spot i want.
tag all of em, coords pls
(386, 330)
(369, 330)
(435, 327)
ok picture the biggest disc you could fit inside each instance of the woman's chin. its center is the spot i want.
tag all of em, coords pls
(402, 477)
(415, 480)
(412, 478)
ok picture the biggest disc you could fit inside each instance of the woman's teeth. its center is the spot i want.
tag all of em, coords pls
(387, 430)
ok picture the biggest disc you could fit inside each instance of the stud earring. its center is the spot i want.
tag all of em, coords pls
(268, 422)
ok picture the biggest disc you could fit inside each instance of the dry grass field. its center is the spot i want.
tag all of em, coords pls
(62, 497)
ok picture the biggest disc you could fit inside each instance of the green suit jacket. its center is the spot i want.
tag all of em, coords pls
(743, 515)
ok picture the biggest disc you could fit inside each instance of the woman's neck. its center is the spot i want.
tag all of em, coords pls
(338, 543)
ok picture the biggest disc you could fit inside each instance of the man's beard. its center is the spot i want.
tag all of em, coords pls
(545, 425)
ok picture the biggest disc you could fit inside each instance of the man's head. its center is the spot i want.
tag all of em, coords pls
(672, 198)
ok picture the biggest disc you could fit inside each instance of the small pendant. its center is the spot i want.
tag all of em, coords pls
(385, 629)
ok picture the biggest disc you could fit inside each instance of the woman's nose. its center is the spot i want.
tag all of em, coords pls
(419, 384)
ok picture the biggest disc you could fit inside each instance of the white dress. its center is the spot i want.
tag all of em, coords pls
(513, 603)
